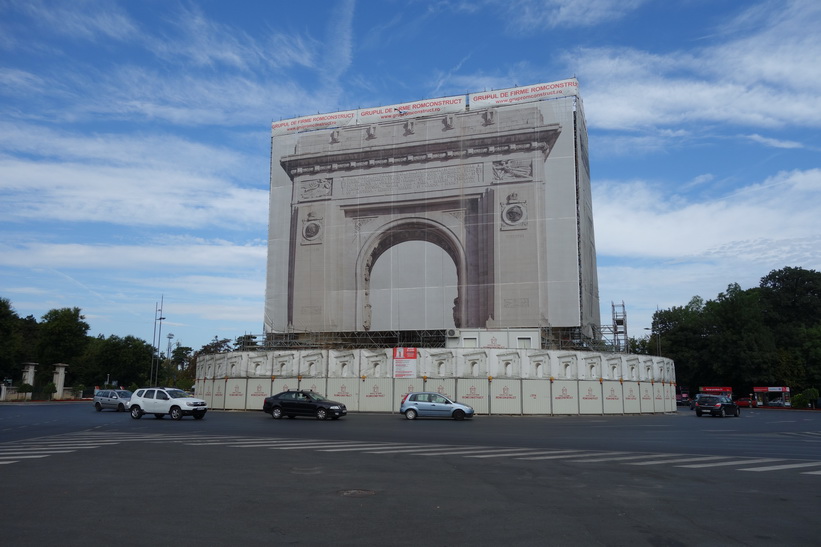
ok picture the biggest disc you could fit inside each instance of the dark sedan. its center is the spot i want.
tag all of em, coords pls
(303, 403)
(717, 405)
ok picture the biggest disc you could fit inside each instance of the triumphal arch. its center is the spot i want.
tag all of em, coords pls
(439, 245)
(501, 189)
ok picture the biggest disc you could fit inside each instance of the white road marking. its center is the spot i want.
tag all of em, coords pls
(734, 462)
(780, 467)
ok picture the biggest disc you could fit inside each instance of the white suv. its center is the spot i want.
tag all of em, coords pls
(160, 401)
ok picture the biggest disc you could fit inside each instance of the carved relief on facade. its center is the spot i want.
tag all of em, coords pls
(506, 170)
(360, 222)
(315, 188)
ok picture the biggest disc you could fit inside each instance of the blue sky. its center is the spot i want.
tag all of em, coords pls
(135, 138)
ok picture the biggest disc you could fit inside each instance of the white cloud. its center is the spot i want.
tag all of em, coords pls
(758, 76)
(207, 43)
(93, 22)
(771, 43)
(154, 151)
(337, 53)
(637, 220)
(540, 14)
(173, 257)
(774, 143)
(82, 192)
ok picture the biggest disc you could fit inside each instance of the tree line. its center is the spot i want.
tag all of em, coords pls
(61, 336)
(768, 335)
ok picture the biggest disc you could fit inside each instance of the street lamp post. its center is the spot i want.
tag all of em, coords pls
(170, 337)
(153, 377)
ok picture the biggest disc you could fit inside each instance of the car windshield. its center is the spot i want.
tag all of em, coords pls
(316, 397)
(177, 394)
(123, 394)
(709, 400)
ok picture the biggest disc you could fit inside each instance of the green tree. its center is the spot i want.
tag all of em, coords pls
(217, 345)
(10, 341)
(792, 296)
(766, 335)
(125, 360)
(741, 348)
(682, 338)
(63, 335)
(639, 346)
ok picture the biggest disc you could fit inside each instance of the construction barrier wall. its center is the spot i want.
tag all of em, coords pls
(492, 381)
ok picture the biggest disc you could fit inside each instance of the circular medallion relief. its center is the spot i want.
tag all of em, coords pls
(514, 214)
(311, 230)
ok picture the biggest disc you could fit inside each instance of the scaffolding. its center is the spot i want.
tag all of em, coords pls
(614, 337)
(567, 338)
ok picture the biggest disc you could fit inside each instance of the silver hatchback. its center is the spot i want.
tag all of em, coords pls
(114, 399)
(427, 404)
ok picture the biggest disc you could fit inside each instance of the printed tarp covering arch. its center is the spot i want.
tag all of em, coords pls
(499, 181)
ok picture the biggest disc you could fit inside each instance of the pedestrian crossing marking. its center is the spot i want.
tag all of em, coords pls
(785, 466)
(680, 460)
(39, 448)
(734, 462)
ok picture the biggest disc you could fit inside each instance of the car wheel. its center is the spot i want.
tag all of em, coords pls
(159, 416)
(276, 413)
(136, 412)
(199, 415)
(737, 412)
(698, 413)
(121, 408)
(98, 407)
(458, 414)
(321, 414)
(410, 414)
(722, 413)
(176, 413)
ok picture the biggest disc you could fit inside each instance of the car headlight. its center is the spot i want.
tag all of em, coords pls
(192, 404)
(334, 407)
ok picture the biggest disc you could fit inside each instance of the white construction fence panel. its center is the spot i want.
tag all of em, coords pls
(258, 390)
(536, 397)
(590, 397)
(235, 390)
(474, 392)
(505, 396)
(376, 395)
(565, 397)
(632, 400)
(345, 391)
(613, 402)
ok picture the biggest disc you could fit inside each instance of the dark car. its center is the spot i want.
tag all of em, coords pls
(302, 403)
(717, 405)
(695, 399)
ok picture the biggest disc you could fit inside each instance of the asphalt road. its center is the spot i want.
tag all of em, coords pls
(72, 476)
